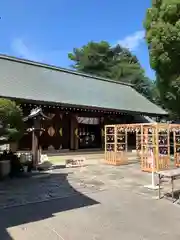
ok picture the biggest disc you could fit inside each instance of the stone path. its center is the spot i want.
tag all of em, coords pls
(60, 183)
(92, 202)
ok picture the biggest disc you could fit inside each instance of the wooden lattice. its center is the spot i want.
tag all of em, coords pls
(155, 147)
(152, 142)
(115, 144)
(138, 142)
(146, 144)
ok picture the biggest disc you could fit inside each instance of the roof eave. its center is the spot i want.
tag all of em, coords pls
(31, 101)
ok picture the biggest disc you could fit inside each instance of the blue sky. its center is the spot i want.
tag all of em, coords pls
(46, 31)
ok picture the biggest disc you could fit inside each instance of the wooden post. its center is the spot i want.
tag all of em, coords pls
(115, 139)
(174, 146)
(144, 156)
(102, 133)
(71, 133)
(126, 140)
(115, 146)
(35, 142)
(105, 147)
(142, 136)
(36, 149)
(175, 153)
(156, 142)
(168, 145)
(176, 136)
(33, 148)
(74, 141)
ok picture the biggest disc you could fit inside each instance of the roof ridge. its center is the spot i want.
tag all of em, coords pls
(53, 67)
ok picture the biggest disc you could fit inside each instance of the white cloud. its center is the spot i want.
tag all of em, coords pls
(132, 42)
(21, 49)
(58, 57)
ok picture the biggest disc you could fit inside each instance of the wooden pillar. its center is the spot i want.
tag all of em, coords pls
(35, 150)
(74, 140)
(102, 126)
(35, 142)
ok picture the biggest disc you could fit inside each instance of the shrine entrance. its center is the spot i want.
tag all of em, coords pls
(89, 132)
(89, 136)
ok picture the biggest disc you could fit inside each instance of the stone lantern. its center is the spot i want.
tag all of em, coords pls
(36, 117)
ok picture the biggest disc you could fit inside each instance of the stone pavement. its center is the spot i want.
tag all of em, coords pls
(93, 202)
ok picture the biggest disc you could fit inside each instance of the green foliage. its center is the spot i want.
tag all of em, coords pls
(114, 63)
(10, 120)
(162, 26)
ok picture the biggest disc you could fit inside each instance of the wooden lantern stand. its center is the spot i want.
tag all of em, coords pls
(155, 147)
(152, 142)
(115, 144)
(36, 117)
(139, 140)
(162, 137)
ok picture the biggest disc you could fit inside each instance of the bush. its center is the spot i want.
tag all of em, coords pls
(11, 122)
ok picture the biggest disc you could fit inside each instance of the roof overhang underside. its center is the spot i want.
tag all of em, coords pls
(28, 81)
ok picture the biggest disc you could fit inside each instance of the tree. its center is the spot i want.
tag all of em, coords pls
(11, 123)
(115, 63)
(162, 24)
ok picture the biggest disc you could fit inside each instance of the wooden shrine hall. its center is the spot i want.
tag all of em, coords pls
(78, 105)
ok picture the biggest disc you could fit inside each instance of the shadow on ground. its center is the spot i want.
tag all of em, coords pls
(32, 211)
(176, 197)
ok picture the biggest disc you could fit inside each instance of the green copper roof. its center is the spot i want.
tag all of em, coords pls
(22, 79)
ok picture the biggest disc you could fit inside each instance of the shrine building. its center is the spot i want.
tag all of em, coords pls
(78, 105)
